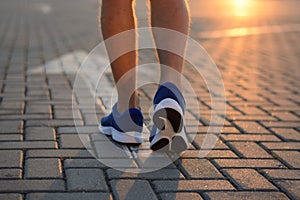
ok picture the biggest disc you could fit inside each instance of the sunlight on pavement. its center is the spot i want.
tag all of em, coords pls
(245, 31)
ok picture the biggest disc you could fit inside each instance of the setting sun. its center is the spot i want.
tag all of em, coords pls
(241, 7)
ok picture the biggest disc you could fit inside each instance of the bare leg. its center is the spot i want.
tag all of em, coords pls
(174, 15)
(118, 16)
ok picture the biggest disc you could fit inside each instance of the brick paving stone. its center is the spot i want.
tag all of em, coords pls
(282, 145)
(285, 116)
(251, 110)
(39, 133)
(281, 124)
(249, 195)
(11, 158)
(68, 196)
(291, 187)
(282, 173)
(251, 127)
(10, 173)
(28, 145)
(198, 139)
(250, 150)
(58, 153)
(249, 137)
(209, 154)
(86, 180)
(292, 158)
(249, 163)
(159, 174)
(252, 118)
(248, 179)
(200, 168)
(43, 168)
(31, 185)
(132, 189)
(180, 196)
(11, 126)
(191, 185)
(11, 196)
(288, 134)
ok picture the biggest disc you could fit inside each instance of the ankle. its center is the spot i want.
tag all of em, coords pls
(134, 102)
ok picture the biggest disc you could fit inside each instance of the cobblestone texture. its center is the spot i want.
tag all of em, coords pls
(42, 156)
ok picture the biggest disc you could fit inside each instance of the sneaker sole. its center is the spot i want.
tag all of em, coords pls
(127, 138)
(168, 118)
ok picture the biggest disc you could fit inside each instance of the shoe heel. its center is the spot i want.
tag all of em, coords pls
(170, 110)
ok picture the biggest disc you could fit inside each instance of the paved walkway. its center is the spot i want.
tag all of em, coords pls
(42, 44)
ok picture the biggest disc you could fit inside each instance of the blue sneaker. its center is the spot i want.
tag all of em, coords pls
(124, 128)
(168, 132)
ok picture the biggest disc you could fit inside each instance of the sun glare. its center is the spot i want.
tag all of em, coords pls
(241, 7)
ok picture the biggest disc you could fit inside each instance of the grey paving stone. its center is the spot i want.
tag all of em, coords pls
(43, 168)
(10, 173)
(53, 122)
(159, 174)
(11, 137)
(83, 163)
(200, 168)
(58, 153)
(245, 195)
(29, 145)
(25, 117)
(67, 114)
(292, 158)
(42, 109)
(80, 129)
(180, 196)
(106, 149)
(74, 141)
(291, 187)
(250, 150)
(31, 185)
(147, 159)
(132, 189)
(39, 133)
(9, 196)
(191, 185)
(249, 163)
(86, 180)
(249, 179)
(68, 196)
(11, 126)
(11, 158)
(282, 173)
